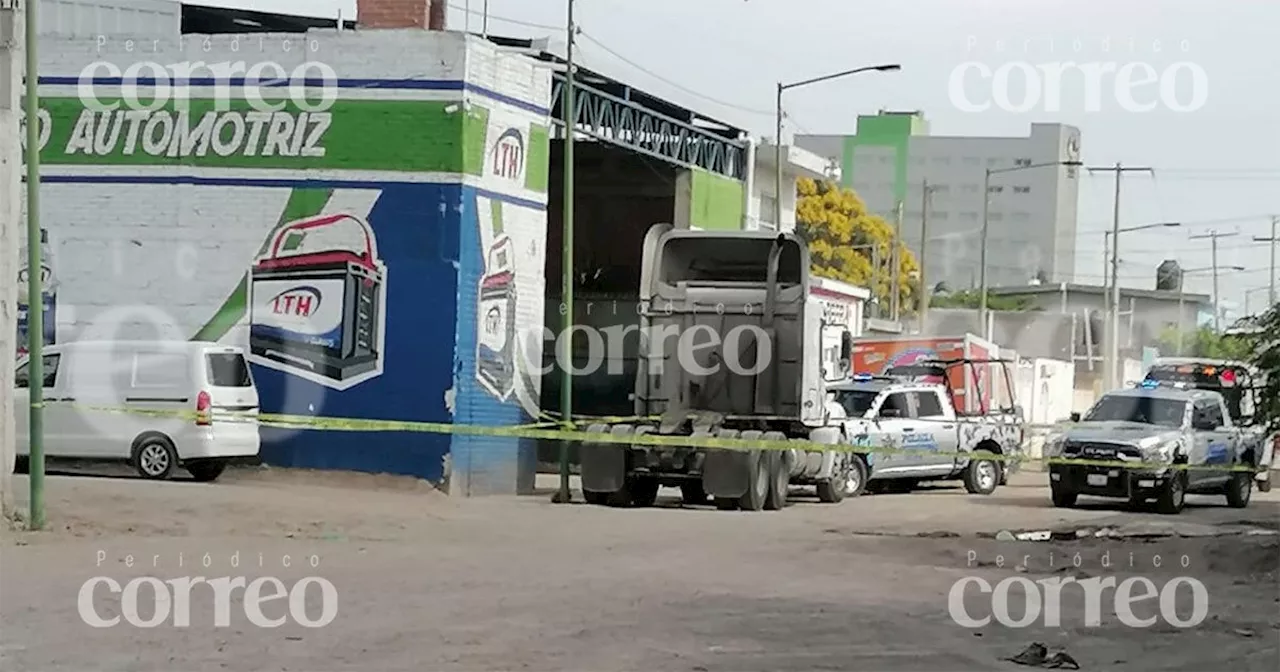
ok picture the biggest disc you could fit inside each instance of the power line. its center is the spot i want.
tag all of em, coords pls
(669, 82)
(503, 19)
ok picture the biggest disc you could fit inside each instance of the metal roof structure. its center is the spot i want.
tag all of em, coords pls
(612, 111)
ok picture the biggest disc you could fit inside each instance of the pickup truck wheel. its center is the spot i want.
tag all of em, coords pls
(596, 498)
(1173, 495)
(981, 477)
(1064, 499)
(1239, 489)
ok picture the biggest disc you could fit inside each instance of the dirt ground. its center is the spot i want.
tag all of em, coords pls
(426, 582)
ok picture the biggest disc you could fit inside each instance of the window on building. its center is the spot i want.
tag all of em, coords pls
(1022, 163)
(942, 160)
(972, 161)
(995, 216)
(969, 216)
(995, 189)
(969, 188)
(993, 162)
(1022, 190)
(938, 215)
(941, 188)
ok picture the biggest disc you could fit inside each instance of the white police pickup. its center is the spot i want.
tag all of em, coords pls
(925, 439)
(1146, 443)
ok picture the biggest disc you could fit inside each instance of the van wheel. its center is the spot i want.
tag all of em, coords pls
(982, 477)
(154, 457)
(207, 471)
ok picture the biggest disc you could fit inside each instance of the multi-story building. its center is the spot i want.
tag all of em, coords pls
(1032, 212)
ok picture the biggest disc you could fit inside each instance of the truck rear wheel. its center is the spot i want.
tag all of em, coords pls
(779, 463)
(1064, 499)
(758, 478)
(981, 477)
(644, 491)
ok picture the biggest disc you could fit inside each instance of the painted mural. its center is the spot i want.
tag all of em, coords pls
(383, 270)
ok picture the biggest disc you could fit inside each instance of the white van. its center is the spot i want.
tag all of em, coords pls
(159, 405)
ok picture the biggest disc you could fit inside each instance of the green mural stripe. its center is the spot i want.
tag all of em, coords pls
(475, 137)
(497, 218)
(400, 135)
(302, 203)
(538, 161)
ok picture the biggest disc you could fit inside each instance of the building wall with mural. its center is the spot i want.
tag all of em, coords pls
(379, 257)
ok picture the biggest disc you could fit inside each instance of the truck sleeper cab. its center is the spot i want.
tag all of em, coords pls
(731, 348)
(158, 405)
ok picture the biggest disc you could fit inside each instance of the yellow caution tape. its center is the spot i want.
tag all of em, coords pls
(568, 432)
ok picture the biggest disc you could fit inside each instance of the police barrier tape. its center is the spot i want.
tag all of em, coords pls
(542, 430)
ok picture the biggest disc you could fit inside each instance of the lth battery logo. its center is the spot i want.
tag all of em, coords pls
(319, 307)
(507, 155)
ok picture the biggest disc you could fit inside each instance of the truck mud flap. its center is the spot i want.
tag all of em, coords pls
(604, 465)
(725, 473)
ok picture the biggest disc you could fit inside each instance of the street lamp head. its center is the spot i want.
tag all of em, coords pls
(892, 67)
(1171, 224)
(1071, 164)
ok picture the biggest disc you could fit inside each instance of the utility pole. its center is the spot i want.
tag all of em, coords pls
(1213, 237)
(565, 495)
(35, 278)
(1274, 239)
(895, 258)
(10, 213)
(1111, 363)
(925, 293)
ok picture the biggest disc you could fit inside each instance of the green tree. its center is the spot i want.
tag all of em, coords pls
(972, 299)
(1266, 357)
(850, 244)
(1205, 342)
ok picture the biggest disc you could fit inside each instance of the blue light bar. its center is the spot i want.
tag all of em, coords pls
(863, 377)
(1151, 384)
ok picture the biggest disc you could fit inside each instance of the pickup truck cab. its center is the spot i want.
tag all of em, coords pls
(1154, 436)
(926, 439)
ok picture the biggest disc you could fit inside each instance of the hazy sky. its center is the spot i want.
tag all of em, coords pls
(1216, 167)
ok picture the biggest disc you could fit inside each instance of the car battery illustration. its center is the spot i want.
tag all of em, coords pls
(317, 298)
(496, 318)
(48, 280)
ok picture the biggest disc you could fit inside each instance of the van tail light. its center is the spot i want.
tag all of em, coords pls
(204, 409)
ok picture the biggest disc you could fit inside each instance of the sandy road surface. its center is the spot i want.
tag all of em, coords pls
(430, 583)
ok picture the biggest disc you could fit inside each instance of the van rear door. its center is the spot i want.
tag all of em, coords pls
(230, 384)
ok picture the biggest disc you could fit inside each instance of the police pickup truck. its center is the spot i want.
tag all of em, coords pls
(927, 440)
(1155, 436)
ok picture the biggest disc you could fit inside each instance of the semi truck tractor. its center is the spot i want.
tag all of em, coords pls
(731, 348)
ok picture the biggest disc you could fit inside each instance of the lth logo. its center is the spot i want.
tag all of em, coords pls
(508, 155)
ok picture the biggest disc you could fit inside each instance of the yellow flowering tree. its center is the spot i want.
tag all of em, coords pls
(849, 244)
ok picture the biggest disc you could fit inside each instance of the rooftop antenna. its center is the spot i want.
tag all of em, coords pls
(340, 21)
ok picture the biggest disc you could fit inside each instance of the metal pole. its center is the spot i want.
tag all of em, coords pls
(35, 276)
(1272, 294)
(1217, 308)
(566, 276)
(484, 26)
(924, 248)
(895, 261)
(1113, 347)
(1182, 318)
(777, 160)
(982, 252)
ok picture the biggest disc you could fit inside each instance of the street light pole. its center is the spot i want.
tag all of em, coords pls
(35, 278)
(778, 114)
(925, 293)
(565, 495)
(986, 229)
